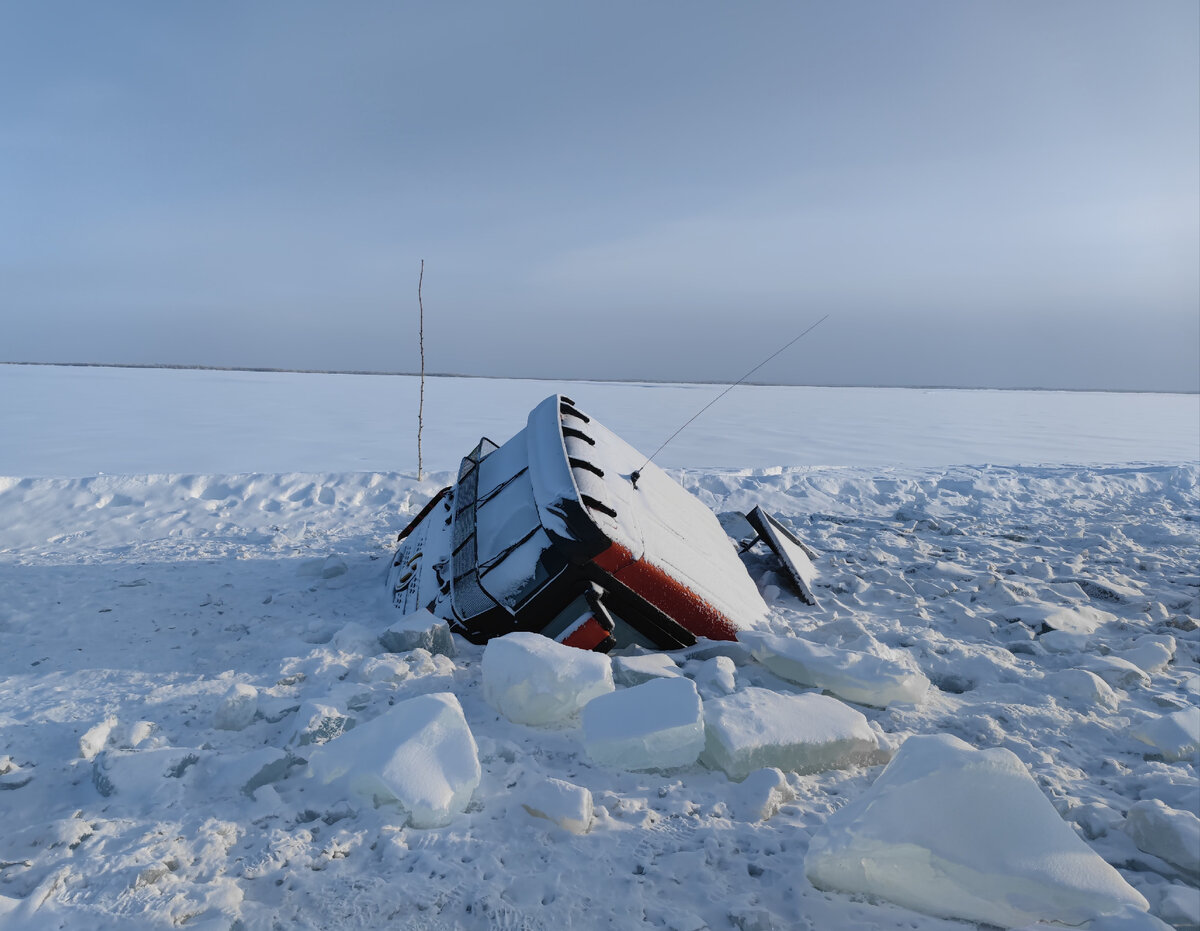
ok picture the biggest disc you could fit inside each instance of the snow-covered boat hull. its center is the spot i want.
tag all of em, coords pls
(548, 533)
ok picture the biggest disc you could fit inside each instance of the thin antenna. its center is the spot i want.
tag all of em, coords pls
(421, 332)
(637, 473)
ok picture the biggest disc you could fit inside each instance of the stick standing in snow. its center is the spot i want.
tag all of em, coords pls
(421, 340)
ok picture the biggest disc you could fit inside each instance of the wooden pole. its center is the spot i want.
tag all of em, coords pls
(421, 337)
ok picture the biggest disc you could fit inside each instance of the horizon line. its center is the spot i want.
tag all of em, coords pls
(627, 381)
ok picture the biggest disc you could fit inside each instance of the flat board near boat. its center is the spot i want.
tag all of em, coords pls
(797, 558)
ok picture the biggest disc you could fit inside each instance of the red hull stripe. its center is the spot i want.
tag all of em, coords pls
(667, 594)
(587, 636)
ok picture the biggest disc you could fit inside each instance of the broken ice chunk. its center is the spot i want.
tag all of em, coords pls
(420, 662)
(634, 670)
(1177, 905)
(1081, 685)
(1151, 653)
(317, 723)
(245, 773)
(530, 679)
(849, 674)
(332, 567)
(1117, 672)
(656, 725)
(759, 796)
(137, 734)
(1078, 619)
(1166, 832)
(1174, 736)
(144, 774)
(567, 805)
(13, 775)
(1096, 818)
(808, 733)
(716, 677)
(1061, 641)
(355, 638)
(237, 708)
(95, 738)
(419, 630)
(749, 918)
(963, 833)
(383, 669)
(418, 757)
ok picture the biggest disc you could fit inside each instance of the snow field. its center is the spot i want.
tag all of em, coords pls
(79, 421)
(1053, 611)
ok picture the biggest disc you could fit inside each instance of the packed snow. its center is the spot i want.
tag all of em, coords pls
(211, 716)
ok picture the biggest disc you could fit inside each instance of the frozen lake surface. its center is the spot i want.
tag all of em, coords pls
(67, 421)
(1010, 577)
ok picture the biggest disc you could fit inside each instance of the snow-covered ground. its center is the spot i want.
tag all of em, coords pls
(66, 421)
(185, 631)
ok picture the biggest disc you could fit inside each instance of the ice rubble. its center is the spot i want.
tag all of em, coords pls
(357, 639)
(237, 708)
(418, 757)
(760, 795)
(1173, 736)
(383, 669)
(656, 725)
(419, 630)
(246, 773)
(1167, 833)
(144, 774)
(963, 833)
(566, 804)
(715, 676)
(1151, 653)
(12, 774)
(95, 738)
(636, 669)
(1076, 619)
(317, 723)
(1117, 672)
(531, 679)
(849, 674)
(757, 728)
(1081, 685)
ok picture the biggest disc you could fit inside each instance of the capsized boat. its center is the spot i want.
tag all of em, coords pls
(566, 530)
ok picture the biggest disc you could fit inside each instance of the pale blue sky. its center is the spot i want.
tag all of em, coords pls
(982, 194)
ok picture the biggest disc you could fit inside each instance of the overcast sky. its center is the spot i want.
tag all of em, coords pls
(981, 194)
